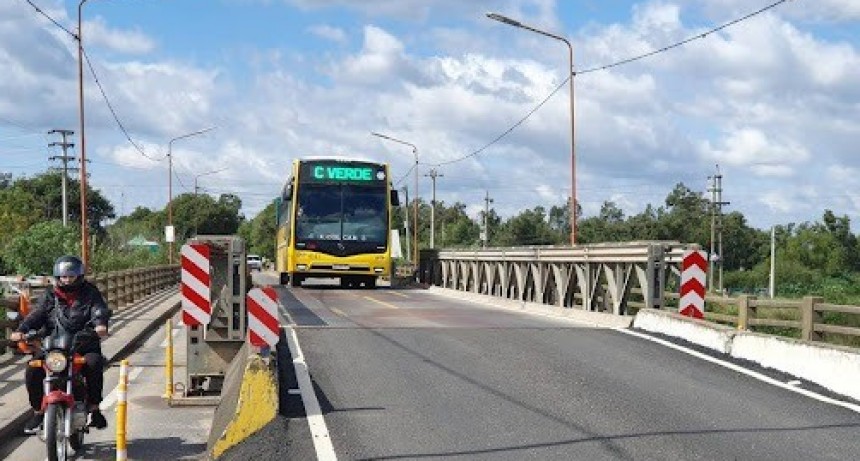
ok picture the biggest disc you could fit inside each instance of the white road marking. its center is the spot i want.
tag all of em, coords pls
(742, 370)
(794, 383)
(316, 422)
(110, 400)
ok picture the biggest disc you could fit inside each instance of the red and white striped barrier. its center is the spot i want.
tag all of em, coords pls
(693, 277)
(263, 326)
(196, 285)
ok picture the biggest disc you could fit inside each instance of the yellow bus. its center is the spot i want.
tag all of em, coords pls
(334, 221)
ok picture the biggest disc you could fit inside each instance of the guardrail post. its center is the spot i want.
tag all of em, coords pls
(743, 312)
(809, 317)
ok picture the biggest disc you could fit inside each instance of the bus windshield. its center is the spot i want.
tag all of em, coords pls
(354, 216)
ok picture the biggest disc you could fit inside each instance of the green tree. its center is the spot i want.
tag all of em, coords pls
(34, 250)
(46, 190)
(528, 228)
(259, 233)
(143, 222)
(686, 217)
(201, 215)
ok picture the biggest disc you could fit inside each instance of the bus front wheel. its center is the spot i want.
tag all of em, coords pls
(285, 278)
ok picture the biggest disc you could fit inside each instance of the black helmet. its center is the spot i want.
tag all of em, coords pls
(69, 266)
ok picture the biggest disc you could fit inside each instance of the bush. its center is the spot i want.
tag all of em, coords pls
(35, 250)
(106, 259)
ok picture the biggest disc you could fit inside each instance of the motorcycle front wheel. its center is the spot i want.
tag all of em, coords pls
(55, 438)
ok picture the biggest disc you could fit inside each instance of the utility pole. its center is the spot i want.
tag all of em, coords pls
(717, 203)
(433, 175)
(772, 282)
(65, 145)
(406, 221)
(486, 234)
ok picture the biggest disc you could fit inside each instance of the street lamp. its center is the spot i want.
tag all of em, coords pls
(171, 236)
(205, 174)
(515, 23)
(415, 191)
(84, 226)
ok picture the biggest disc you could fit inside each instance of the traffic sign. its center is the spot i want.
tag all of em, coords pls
(693, 276)
(263, 326)
(195, 284)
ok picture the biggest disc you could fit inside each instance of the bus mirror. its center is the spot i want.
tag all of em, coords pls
(395, 199)
(288, 193)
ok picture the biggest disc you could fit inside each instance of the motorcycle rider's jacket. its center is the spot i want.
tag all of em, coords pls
(71, 311)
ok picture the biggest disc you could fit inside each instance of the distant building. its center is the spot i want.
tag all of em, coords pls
(141, 242)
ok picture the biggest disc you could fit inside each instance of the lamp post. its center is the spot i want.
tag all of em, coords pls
(515, 23)
(415, 191)
(205, 174)
(85, 246)
(170, 234)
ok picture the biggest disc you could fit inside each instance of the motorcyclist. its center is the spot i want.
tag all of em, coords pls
(73, 302)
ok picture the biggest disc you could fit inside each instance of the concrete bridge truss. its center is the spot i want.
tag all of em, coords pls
(600, 277)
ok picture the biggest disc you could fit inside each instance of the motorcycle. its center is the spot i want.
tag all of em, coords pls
(64, 403)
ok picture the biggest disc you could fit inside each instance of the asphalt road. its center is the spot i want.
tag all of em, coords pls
(155, 431)
(405, 374)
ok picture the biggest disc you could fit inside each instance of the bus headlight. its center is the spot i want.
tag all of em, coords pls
(56, 362)
(301, 267)
(378, 270)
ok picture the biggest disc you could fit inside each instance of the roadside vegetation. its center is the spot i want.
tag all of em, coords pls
(819, 258)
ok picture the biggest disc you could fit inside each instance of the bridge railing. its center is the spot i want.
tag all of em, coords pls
(597, 277)
(622, 278)
(806, 317)
(119, 288)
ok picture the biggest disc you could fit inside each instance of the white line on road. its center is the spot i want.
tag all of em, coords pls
(110, 400)
(316, 422)
(742, 370)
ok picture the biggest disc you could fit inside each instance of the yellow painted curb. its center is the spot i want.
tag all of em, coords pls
(257, 405)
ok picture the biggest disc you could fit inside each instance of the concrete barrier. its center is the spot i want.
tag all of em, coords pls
(710, 335)
(835, 367)
(249, 401)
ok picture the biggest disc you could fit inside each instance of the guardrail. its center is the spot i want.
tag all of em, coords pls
(119, 288)
(806, 315)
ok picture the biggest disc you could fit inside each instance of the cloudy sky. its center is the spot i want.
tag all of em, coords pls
(774, 100)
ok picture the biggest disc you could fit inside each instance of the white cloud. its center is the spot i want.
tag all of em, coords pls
(767, 99)
(335, 34)
(97, 33)
(128, 156)
(749, 147)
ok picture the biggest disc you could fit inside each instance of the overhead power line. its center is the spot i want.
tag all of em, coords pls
(42, 12)
(605, 67)
(113, 112)
(682, 42)
(405, 175)
(98, 83)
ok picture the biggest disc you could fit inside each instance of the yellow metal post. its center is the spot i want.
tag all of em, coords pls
(168, 363)
(122, 397)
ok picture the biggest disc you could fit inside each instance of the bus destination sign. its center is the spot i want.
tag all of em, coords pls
(340, 172)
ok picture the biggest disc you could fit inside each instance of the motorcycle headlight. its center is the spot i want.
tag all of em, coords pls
(56, 361)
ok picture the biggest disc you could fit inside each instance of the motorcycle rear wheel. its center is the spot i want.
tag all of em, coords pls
(55, 439)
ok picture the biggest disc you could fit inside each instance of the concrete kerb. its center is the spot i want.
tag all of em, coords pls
(834, 367)
(712, 336)
(589, 318)
(14, 425)
(249, 401)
